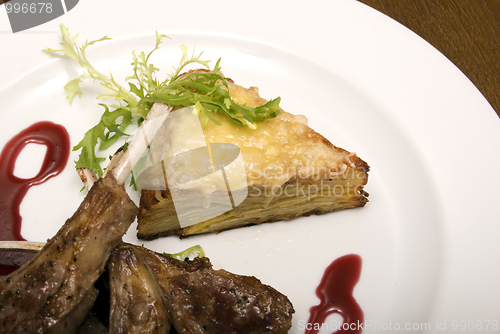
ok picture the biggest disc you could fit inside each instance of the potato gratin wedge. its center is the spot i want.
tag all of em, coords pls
(291, 171)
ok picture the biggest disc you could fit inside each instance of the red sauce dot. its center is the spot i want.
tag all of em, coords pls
(335, 294)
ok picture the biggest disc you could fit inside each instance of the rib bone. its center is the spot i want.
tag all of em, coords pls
(142, 139)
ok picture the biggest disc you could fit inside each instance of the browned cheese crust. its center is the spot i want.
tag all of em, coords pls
(291, 171)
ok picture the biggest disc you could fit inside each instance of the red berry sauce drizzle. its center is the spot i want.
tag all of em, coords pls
(335, 294)
(12, 188)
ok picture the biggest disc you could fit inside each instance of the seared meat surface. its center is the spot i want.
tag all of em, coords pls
(138, 304)
(203, 300)
(71, 322)
(34, 298)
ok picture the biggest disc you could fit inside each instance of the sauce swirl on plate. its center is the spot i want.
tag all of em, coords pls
(12, 188)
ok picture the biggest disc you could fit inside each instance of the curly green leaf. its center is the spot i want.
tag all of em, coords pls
(190, 253)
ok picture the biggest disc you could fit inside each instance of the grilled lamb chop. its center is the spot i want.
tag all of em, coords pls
(47, 289)
(203, 300)
(138, 304)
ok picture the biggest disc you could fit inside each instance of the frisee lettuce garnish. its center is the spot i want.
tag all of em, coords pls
(207, 90)
(190, 253)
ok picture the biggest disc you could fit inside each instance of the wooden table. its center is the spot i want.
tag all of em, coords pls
(466, 31)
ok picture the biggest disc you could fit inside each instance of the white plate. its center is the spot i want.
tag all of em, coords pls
(428, 236)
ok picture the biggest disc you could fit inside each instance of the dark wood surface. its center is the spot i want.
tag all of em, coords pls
(466, 31)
